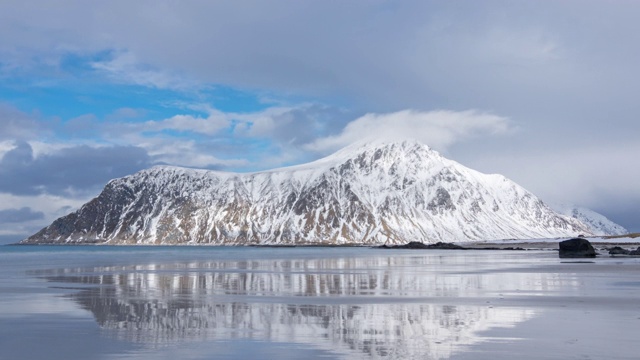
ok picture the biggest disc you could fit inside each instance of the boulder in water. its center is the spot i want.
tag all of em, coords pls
(617, 250)
(577, 248)
(635, 252)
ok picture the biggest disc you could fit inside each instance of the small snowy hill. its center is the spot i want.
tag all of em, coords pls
(366, 194)
(597, 223)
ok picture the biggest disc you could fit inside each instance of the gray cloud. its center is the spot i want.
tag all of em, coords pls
(11, 239)
(67, 171)
(564, 68)
(84, 126)
(8, 216)
(294, 126)
(15, 124)
(564, 72)
(622, 211)
(590, 174)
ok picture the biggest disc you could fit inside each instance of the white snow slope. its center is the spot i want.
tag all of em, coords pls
(597, 223)
(365, 194)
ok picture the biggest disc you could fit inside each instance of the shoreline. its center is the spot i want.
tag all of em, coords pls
(630, 241)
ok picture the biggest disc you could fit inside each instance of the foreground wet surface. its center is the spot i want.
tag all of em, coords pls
(288, 303)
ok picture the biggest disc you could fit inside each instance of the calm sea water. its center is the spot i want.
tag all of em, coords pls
(332, 303)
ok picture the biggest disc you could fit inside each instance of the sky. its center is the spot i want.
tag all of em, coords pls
(543, 92)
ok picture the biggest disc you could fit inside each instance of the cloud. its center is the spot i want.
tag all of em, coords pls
(52, 206)
(5, 146)
(210, 125)
(40, 211)
(124, 67)
(293, 125)
(214, 140)
(11, 239)
(23, 214)
(70, 171)
(547, 65)
(438, 129)
(197, 154)
(231, 140)
(83, 126)
(125, 113)
(588, 174)
(15, 124)
(558, 71)
(417, 54)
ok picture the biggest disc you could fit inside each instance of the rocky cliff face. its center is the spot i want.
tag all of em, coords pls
(370, 194)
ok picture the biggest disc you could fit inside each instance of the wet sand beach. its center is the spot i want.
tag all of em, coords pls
(332, 303)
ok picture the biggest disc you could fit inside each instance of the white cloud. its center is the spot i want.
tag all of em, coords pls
(41, 148)
(182, 152)
(6, 146)
(132, 132)
(262, 123)
(210, 125)
(438, 129)
(126, 68)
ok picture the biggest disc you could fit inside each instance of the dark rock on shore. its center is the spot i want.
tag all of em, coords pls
(577, 248)
(420, 245)
(617, 250)
(498, 248)
(411, 245)
(443, 246)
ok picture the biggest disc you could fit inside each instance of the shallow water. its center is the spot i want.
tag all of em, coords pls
(101, 302)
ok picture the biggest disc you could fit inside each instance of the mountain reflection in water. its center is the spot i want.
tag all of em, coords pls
(397, 307)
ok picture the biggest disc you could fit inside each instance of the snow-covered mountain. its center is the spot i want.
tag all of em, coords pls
(364, 194)
(597, 223)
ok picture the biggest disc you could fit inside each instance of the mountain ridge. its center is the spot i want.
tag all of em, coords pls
(368, 194)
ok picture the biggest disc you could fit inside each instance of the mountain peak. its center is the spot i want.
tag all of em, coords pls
(398, 146)
(391, 150)
(398, 150)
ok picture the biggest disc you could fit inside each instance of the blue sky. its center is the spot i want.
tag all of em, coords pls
(542, 92)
